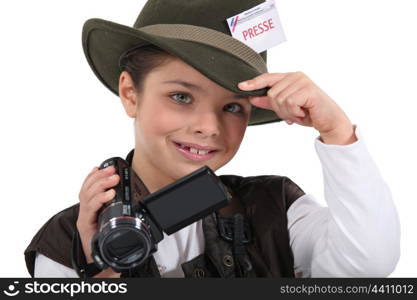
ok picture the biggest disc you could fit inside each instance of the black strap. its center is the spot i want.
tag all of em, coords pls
(243, 264)
(236, 230)
(226, 224)
(79, 262)
(90, 270)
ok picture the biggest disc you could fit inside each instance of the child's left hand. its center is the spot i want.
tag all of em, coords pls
(295, 98)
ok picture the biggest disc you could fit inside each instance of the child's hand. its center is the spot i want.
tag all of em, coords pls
(297, 99)
(93, 196)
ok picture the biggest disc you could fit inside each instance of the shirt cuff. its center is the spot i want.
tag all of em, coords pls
(357, 134)
(347, 163)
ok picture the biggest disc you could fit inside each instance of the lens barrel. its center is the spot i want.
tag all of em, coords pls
(124, 242)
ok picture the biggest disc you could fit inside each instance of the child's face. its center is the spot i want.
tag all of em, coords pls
(167, 113)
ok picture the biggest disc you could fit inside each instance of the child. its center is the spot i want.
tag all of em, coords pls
(192, 90)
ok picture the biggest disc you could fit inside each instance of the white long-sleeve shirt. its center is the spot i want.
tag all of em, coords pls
(356, 235)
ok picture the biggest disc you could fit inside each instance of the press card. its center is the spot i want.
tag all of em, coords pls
(259, 27)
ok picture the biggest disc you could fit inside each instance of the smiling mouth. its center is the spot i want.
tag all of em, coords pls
(194, 150)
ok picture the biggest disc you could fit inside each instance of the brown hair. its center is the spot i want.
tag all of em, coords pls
(140, 61)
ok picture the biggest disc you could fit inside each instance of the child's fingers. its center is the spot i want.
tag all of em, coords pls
(94, 205)
(262, 102)
(293, 113)
(97, 174)
(285, 86)
(89, 209)
(261, 81)
(101, 185)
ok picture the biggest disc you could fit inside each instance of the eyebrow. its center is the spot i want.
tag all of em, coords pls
(192, 86)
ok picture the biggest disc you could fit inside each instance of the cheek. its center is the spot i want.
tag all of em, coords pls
(157, 120)
(168, 121)
(235, 133)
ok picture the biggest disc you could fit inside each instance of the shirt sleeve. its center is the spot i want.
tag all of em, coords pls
(358, 233)
(47, 268)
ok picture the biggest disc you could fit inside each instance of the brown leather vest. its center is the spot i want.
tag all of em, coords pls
(263, 201)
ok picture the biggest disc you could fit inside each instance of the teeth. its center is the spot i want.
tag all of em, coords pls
(200, 152)
(194, 150)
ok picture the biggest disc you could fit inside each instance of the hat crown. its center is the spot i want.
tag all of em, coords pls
(199, 35)
(211, 14)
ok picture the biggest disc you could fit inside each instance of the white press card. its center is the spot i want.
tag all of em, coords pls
(259, 27)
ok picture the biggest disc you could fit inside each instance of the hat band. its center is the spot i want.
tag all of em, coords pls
(209, 37)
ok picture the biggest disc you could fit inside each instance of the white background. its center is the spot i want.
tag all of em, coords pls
(57, 121)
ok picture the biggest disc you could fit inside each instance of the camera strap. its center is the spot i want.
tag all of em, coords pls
(243, 263)
(236, 229)
(226, 227)
(79, 263)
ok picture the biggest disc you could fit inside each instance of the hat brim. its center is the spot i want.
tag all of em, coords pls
(104, 42)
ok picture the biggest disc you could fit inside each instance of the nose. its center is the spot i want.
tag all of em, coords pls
(206, 124)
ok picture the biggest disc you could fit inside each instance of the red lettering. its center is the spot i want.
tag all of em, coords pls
(255, 29)
(245, 34)
(261, 28)
(250, 33)
(270, 24)
(265, 23)
(258, 29)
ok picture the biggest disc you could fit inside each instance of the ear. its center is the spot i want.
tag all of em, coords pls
(128, 94)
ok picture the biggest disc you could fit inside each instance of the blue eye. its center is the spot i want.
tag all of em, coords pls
(182, 98)
(234, 107)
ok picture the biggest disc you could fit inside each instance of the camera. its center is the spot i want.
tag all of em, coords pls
(128, 231)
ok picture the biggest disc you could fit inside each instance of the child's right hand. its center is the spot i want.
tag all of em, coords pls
(95, 192)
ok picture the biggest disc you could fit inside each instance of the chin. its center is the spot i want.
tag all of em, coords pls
(189, 169)
(181, 171)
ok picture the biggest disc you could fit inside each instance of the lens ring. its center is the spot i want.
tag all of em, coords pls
(125, 243)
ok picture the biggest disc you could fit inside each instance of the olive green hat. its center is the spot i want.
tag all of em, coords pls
(196, 31)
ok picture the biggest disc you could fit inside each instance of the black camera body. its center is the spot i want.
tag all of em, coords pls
(128, 231)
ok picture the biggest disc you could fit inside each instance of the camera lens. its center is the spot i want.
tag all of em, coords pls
(125, 242)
